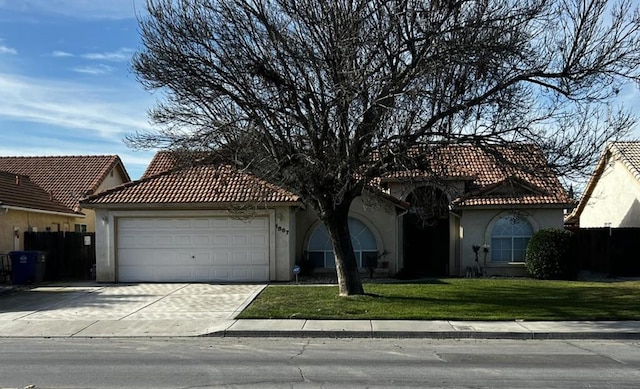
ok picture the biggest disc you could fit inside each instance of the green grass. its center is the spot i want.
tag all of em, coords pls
(454, 299)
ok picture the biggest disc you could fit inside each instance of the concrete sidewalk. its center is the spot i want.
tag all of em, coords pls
(441, 329)
(176, 310)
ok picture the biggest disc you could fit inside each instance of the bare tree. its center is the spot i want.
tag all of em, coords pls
(322, 96)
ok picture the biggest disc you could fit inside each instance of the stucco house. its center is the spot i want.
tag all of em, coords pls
(23, 203)
(193, 224)
(612, 195)
(65, 180)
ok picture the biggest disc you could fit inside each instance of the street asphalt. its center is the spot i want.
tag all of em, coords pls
(91, 310)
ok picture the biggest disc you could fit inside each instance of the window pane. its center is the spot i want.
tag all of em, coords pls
(319, 239)
(502, 228)
(329, 260)
(518, 255)
(363, 235)
(500, 250)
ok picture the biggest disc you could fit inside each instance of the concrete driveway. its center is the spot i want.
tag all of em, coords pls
(98, 310)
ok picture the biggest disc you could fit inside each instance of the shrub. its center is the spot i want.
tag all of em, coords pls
(550, 256)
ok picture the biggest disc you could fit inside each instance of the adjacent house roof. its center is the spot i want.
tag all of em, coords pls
(203, 184)
(627, 153)
(67, 178)
(18, 191)
(516, 175)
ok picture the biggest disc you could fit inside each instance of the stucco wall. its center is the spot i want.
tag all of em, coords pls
(280, 248)
(615, 200)
(378, 215)
(113, 179)
(476, 230)
(24, 221)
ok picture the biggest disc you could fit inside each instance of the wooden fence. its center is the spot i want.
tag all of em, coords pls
(611, 251)
(70, 255)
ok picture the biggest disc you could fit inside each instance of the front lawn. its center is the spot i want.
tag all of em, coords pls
(455, 299)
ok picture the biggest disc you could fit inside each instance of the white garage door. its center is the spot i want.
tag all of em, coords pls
(192, 249)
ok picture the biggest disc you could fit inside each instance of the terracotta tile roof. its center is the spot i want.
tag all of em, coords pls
(68, 178)
(511, 175)
(629, 154)
(501, 179)
(192, 185)
(18, 191)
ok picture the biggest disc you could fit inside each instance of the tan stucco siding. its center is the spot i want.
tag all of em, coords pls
(284, 235)
(476, 230)
(26, 221)
(615, 200)
(113, 179)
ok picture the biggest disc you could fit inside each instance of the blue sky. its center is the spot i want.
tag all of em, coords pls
(66, 87)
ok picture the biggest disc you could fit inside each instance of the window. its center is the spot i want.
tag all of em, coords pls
(509, 239)
(364, 245)
(80, 228)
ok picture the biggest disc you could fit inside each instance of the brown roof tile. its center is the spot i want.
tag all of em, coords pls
(68, 178)
(193, 185)
(492, 180)
(510, 175)
(19, 191)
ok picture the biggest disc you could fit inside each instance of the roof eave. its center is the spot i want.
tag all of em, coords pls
(207, 205)
(43, 211)
(515, 205)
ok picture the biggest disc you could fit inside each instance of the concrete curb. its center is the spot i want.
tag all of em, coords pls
(426, 335)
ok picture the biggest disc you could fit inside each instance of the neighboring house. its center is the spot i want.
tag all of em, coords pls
(24, 204)
(66, 179)
(612, 195)
(214, 223)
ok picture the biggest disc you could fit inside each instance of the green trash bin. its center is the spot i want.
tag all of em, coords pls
(27, 266)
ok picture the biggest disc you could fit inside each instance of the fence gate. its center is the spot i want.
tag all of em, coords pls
(70, 255)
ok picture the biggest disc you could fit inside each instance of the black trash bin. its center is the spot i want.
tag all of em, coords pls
(27, 266)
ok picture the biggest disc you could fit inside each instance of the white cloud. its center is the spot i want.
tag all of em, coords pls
(78, 9)
(121, 55)
(61, 54)
(109, 112)
(7, 50)
(95, 70)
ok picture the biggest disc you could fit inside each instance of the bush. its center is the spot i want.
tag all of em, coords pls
(550, 256)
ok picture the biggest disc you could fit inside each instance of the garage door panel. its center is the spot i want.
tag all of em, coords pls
(144, 257)
(193, 249)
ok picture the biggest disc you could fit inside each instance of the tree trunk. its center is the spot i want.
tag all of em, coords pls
(337, 223)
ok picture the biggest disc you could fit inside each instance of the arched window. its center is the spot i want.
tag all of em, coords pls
(509, 239)
(364, 245)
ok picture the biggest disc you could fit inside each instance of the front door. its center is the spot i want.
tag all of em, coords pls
(426, 234)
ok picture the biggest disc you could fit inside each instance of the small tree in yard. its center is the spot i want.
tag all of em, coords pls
(323, 96)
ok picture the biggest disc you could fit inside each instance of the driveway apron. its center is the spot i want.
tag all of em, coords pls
(97, 310)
